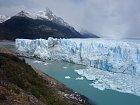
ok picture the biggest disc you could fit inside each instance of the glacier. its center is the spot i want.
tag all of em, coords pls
(119, 56)
(111, 64)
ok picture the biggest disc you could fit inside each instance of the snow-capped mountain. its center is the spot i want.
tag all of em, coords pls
(47, 14)
(32, 25)
(3, 18)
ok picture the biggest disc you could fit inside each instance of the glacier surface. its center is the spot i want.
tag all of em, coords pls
(111, 64)
(118, 56)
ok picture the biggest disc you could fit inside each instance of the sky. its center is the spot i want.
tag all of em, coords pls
(105, 18)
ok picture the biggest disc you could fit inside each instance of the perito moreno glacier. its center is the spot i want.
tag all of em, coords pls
(112, 64)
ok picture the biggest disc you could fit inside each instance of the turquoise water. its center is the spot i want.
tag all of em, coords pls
(58, 71)
(107, 97)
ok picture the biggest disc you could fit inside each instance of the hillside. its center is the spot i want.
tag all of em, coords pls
(21, 85)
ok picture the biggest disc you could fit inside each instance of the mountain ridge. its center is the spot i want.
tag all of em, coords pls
(47, 14)
(24, 27)
(32, 25)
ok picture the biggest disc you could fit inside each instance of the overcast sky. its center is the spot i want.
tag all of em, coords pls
(106, 18)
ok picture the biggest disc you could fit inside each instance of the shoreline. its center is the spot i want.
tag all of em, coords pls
(64, 92)
(60, 90)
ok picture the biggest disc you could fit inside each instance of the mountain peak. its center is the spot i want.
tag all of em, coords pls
(23, 13)
(48, 11)
(3, 18)
(47, 14)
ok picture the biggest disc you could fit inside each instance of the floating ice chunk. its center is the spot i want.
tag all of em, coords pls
(79, 78)
(125, 83)
(47, 63)
(98, 86)
(65, 67)
(89, 76)
(67, 77)
(80, 71)
(36, 61)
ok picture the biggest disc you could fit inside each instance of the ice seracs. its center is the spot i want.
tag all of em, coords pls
(120, 56)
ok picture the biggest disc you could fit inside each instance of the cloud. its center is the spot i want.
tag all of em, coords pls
(107, 18)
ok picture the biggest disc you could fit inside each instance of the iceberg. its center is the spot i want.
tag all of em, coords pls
(119, 56)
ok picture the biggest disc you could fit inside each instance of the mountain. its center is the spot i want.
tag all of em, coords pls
(32, 25)
(86, 34)
(47, 14)
(3, 18)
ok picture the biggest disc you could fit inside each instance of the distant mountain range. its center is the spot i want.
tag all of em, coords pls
(32, 25)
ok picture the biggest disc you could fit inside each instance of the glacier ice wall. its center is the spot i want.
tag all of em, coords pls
(121, 56)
